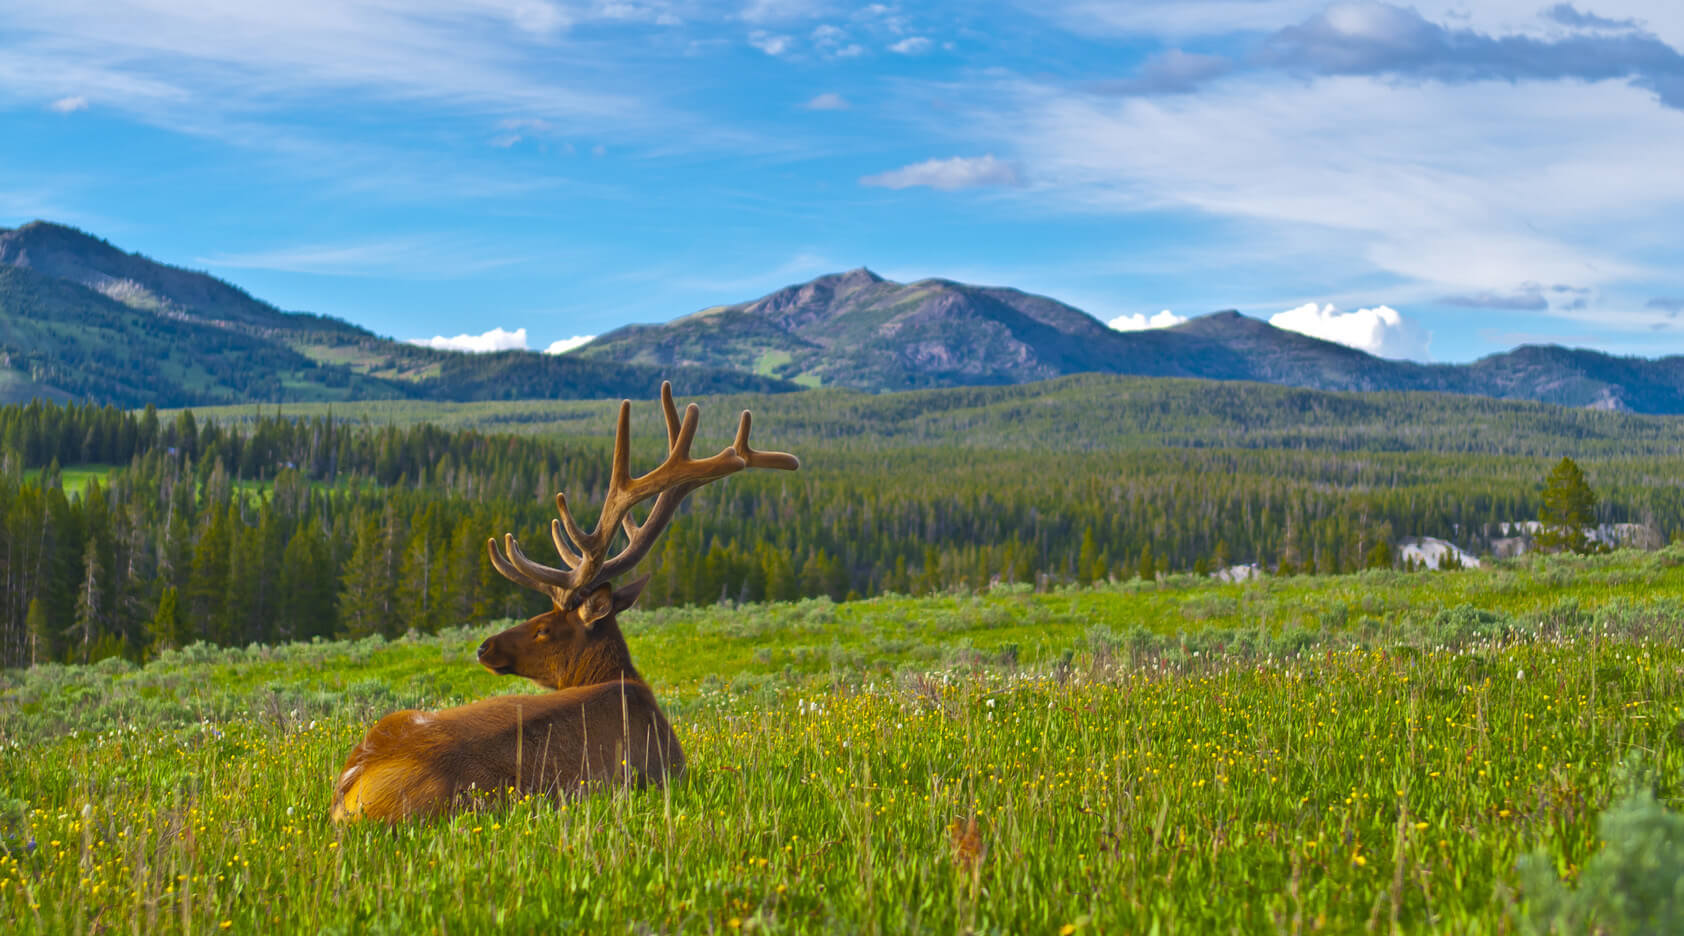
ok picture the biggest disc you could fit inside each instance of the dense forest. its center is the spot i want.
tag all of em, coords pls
(284, 528)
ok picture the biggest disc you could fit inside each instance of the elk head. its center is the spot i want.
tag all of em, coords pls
(578, 642)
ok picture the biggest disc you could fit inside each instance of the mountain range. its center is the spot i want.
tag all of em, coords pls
(82, 319)
(859, 330)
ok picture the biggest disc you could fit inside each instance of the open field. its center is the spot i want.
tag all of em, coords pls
(1344, 753)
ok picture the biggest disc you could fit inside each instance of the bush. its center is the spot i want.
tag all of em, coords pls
(1635, 884)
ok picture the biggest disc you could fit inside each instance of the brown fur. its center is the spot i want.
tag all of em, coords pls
(600, 724)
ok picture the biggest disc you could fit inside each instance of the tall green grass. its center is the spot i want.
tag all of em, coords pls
(1360, 753)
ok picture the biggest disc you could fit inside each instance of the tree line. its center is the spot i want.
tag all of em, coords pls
(286, 529)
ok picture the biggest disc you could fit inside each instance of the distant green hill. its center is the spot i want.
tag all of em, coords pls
(81, 319)
(1081, 413)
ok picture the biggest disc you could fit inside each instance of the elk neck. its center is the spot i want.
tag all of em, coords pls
(604, 657)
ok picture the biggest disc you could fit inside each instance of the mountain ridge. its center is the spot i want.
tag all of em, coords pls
(859, 330)
(82, 319)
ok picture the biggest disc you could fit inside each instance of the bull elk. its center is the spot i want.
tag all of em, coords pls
(599, 723)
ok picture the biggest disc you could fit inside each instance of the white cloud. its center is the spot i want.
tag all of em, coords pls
(949, 174)
(567, 344)
(415, 255)
(911, 45)
(1381, 331)
(211, 69)
(69, 105)
(494, 340)
(770, 43)
(1446, 189)
(830, 100)
(1139, 321)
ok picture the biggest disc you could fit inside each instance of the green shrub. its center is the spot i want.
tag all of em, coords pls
(1635, 884)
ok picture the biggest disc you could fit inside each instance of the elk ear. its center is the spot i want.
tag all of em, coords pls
(624, 597)
(597, 605)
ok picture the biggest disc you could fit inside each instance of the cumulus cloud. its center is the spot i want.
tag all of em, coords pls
(829, 100)
(1381, 331)
(69, 105)
(567, 344)
(494, 340)
(911, 45)
(1140, 321)
(949, 174)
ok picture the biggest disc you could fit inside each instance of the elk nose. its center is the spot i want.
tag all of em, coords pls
(483, 648)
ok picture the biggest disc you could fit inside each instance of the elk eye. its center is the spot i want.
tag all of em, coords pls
(540, 634)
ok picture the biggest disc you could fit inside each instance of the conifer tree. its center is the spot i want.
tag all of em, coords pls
(1568, 513)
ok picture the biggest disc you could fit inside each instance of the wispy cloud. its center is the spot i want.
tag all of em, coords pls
(1140, 321)
(829, 100)
(1369, 38)
(771, 43)
(1568, 15)
(1452, 190)
(494, 340)
(1671, 305)
(1378, 38)
(568, 344)
(1381, 331)
(69, 105)
(417, 256)
(1530, 298)
(1170, 72)
(911, 45)
(957, 172)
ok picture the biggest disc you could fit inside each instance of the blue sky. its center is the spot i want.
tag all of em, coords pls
(1438, 181)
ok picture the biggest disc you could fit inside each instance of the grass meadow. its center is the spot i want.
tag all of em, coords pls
(1381, 752)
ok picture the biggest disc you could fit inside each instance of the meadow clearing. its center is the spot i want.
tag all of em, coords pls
(1372, 752)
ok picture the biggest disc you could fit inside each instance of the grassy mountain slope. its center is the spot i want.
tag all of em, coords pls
(60, 340)
(82, 319)
(859, 330)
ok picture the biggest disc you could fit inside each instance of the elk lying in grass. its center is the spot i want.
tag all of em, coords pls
(600, 722)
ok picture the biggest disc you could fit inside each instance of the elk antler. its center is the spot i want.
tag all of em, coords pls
(585, 554)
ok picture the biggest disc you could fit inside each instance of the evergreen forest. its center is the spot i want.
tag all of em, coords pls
(127, 533)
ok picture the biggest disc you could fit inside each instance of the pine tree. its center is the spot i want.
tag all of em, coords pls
(1568, 513)
(88, 599)
(165, 629)
(365, 597)
(1086, 558)
(41, 636)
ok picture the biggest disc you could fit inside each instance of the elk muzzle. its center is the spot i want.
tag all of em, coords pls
(494, 659)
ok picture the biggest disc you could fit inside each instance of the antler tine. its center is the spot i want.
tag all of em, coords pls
(556, 578)
(510, 572)
(670, 412)
(620, 472)
(573, 531)
(524, 572)
(780, 460)
(568, 556)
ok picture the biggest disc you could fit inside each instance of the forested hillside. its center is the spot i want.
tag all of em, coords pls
(83, 320)
(279, 528)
